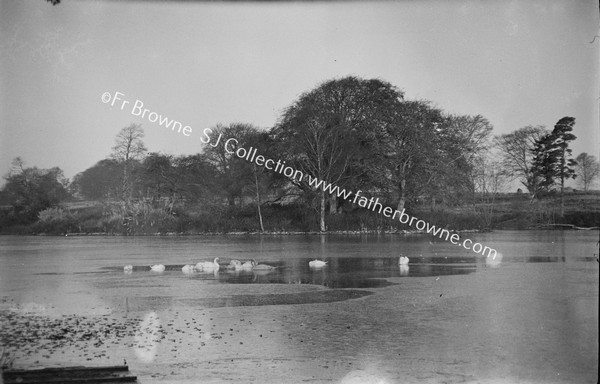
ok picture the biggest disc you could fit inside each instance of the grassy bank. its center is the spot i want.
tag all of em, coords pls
(509, 211)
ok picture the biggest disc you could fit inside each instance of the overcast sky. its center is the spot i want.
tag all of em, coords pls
(517, 63)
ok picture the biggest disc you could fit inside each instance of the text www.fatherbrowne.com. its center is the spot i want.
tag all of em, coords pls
(231, 146)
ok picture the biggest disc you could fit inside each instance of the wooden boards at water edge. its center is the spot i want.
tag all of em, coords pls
(112, 374)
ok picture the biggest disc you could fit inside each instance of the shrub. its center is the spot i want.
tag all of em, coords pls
(56, 220)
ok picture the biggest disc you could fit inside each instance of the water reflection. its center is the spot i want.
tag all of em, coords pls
(404, 270)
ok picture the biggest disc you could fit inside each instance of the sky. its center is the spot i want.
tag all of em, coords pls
(517, 63)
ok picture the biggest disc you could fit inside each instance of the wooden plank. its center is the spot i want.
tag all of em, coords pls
(38, 380)
(72, 369)
(81, 375)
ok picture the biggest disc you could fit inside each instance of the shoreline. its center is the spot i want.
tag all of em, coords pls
(299, 233)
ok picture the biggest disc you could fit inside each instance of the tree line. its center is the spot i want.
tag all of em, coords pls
(359, 134)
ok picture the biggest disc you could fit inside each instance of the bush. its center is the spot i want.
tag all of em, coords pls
(137, 217)
(56, 221)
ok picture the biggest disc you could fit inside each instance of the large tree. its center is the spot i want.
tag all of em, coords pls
(408, 148)
(552, 157)
(31, 190)
(451, 156)
(464, 142)
(516, 149)
(237, 178)
(101, 181)
(587, 169)
(489, 179)
(333, 132)
(196, 177)
(128, 150)
(234, 175)
(169, 179)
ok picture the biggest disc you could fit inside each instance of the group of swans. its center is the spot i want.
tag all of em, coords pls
(237, 265)
(203, 266)
(249, 265)
(188, 268)
(211, 266)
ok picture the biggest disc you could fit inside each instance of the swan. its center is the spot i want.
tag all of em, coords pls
(317, 263)
(235, 264)
(188, 268)
(262, 267)
(208, 266)
(403, 260)
(157, 268)
(248, 265)
(128, 268)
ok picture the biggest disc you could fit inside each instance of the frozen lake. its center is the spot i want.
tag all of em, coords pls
(448, 317)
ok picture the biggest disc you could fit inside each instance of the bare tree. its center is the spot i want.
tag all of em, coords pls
(129, 144)
(449, 158)
(128, 147)
(326, 158)
(588, 169)
(473, 133)
(489, 177)
(466, 143)
(516, 149)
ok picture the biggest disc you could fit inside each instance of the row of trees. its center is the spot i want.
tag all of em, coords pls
(542, 161)
(357, 134)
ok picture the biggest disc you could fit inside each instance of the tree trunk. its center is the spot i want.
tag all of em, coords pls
(562, 184)
(262, 228)
(125, 186)
(172, 203)
(333, 205)
(322, 226)
(562, 197)
(402, 200)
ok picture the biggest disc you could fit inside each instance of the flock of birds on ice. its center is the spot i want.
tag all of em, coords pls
(237, 265)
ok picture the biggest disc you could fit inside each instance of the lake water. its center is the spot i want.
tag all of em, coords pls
(450, 316)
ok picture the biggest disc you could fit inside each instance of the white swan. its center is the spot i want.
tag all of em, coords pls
(157, 268)
(235, 265)
(262, 267)
(317, 263)
(403, 260)
(248, 265)
(188, 268)
(128, 268)
(208, 266)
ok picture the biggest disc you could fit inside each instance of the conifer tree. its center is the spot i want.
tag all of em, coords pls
(552, 160)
